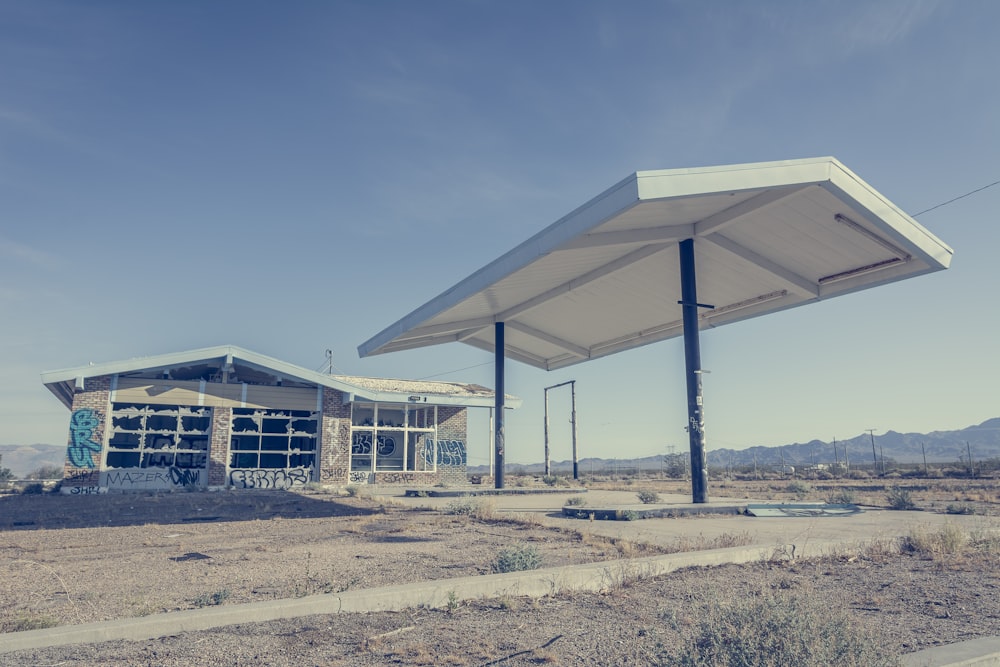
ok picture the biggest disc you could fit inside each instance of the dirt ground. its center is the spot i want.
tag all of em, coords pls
(67, 560)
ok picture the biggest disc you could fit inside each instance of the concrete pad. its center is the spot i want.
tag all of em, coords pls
(983, 652)
(812, 535)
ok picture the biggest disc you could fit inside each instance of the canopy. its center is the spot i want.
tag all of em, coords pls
(606, 277)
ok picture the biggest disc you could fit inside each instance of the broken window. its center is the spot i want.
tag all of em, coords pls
(158, 436)
(273, 438)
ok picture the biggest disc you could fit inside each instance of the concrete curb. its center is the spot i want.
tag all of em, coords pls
(435, 594)
(438, 594)
(983, 652)
(466, 492)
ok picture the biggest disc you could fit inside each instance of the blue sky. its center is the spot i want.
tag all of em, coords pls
(293, 177)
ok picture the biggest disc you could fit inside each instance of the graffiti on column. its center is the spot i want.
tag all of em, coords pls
(82, 447)
(449, 453)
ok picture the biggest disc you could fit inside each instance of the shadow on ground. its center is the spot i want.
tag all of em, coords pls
(53, 511)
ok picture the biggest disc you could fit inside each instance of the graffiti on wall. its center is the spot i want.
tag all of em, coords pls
(83, 490)
(358, 477)
(361, 444)
(449, 453)
(151, 478)
(82, 447)
(269, 478)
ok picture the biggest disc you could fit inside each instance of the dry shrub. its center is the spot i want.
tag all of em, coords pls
(685, 543)
(777, 628)
(949, 540)
(648, 496)
(517, 559)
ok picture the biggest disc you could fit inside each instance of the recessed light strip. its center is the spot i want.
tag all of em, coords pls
(861, 270)
(746, 303)
(895, 250)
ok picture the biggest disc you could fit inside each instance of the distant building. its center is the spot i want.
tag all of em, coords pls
(225, 417)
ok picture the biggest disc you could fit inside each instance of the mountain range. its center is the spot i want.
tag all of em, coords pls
(983, 440)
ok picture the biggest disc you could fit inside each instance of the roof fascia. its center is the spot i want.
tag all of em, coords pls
(699, 181)
(62, 382)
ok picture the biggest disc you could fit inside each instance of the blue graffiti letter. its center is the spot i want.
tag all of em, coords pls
(81, 449)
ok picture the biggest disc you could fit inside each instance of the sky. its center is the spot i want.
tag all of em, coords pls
(294, 177)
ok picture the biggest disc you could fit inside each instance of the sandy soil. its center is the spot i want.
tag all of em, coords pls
(74, 560)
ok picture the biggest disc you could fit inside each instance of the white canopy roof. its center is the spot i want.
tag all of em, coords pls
(606, 277)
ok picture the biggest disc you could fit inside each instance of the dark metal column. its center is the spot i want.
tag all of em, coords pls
(576, 459)
(498, 405)
(692, 359)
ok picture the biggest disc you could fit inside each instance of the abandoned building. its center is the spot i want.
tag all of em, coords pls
(225, 417)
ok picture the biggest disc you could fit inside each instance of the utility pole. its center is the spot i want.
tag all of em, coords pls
(576, 465)
(871, 434)
(923, 450)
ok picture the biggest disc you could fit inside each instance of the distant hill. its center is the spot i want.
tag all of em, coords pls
(940, 446)
(23, 459)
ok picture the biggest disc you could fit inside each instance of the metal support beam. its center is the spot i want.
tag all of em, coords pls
(576, 458)
(692, 360)
(548, 459)
(498, 405)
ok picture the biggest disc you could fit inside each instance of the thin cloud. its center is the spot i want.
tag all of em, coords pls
(882, 24)
(12, 250)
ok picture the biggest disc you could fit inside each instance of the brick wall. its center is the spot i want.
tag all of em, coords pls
(335, 438)
(453, 428)
(218, 452)
(88, 427)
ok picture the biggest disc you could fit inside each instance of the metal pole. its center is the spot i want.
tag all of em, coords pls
(548, 462)
(576, 460)
(498, 404)
(871, 434)
(492, 444)
(692, 362)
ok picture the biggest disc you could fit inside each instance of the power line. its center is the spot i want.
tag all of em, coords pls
(927, 210)
(457, 370)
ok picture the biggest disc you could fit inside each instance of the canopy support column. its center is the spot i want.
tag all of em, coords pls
(498, 405)
(692, 361)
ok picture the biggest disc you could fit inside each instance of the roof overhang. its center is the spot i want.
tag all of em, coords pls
(605, 278)
(65, 383)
